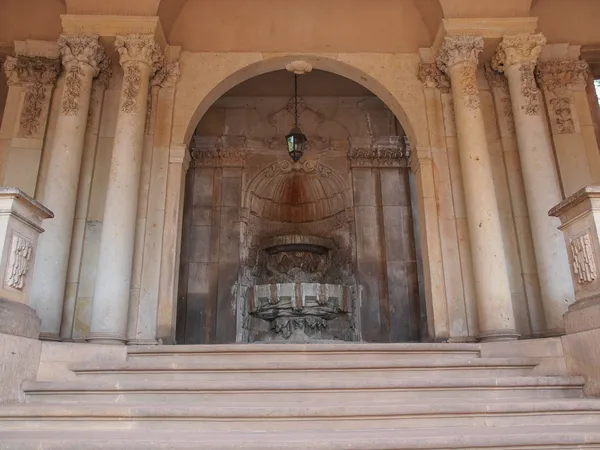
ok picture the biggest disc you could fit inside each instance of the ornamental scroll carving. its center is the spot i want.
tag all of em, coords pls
(463, 50)
(38, 75)
(584, 260)
(498, 82)
(517, 49)
(132, 79)
(529, 89)
(557, 78)
(207, 154)
(18, 261)
(433, 77)
(394, 153)
(79, 52)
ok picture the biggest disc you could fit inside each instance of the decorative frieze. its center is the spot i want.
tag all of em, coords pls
(433, 77)
(206, 153)
(19, 258)
(394, 153)
(37, 75)
(463, 50)
(584, 260)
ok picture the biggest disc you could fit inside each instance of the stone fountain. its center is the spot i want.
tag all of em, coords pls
(299, 297)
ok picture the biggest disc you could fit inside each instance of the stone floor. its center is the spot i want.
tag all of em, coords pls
(326, 396)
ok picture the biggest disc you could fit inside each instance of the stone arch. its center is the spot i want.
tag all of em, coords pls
(372, 71)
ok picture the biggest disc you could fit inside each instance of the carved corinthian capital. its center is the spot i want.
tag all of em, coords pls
(140, 48)
(31, 69)
(517, 49)
(167, 76)
(556, 75)
(77, 49)
(432, 77)
(459, 49)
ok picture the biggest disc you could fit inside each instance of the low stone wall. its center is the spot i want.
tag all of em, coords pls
(19, 361)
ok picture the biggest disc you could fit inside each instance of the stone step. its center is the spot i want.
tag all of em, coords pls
(345, 389)
(305, 352)
(492, 438)
(297, 416)
(177, 369)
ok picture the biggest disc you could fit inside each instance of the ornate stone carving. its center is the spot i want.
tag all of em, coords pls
(139, 48)
(395, 153)
(104, 72)
(495, 79)
(463, 50)
(557, 77)
(299, 67)
(516, 49)
(37, 74)
(18, 261)
(206, 154)
(132, 79)
(167, 76)
(529, 88)
(432, 77)
(459, 49)
(563, 116)
(77, 51)
(562, 74)
(584, 260)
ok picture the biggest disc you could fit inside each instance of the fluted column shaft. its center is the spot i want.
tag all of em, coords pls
(82, 57)
(459, 58)
(516, 57)
(140, 57)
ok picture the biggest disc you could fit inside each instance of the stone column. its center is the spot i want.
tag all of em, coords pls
(20, 224)
(81, 58)
(459, 58)
(140, 57)
(516, 57)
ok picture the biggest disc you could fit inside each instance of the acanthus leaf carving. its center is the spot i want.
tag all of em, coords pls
(517, 49)
(139, 48)
(563, 116)
(433, 77)
(167, 76)
(584, 259)
(132, 79)
(529, 89)
(21, 250)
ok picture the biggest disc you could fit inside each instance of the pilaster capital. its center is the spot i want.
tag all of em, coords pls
(432, 77)
(555, 75)
(494, 78)
(31, 69)
(517, 49)
(140, 48)
(459, 49)
(167, 76)
(78, 49)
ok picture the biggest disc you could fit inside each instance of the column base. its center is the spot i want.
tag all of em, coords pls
(54, 337)
(498, 335)
(142, 342)
(18, 319)
(554, 332)
(106, 339)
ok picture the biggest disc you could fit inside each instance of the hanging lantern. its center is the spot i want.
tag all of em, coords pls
(296, 140)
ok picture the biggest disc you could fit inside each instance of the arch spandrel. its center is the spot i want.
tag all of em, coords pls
(392, 77)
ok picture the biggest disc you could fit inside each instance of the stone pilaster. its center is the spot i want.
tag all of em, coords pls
(459, 57)
(35, 77)
(562, 80)
(516, 57)
(140, 58)
(82, 57)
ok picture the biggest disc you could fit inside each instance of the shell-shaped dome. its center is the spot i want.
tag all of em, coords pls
(297, 193)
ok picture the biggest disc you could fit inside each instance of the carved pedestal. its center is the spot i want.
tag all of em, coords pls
(20, 226)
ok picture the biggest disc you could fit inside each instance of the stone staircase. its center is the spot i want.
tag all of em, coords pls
(333, 397)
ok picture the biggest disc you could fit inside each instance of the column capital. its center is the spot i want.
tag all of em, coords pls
(167, 76)
(141, 48)
(432, 76)
(31, 69)
(555, 75)
(517, 49)
(77, 49)
(459, 49)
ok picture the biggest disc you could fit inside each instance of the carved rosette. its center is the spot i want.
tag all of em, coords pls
(463, 51)
(78, 53)
(135, 50)
(37, 75)
(517, 49)
(557, 78)
(433, 77)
